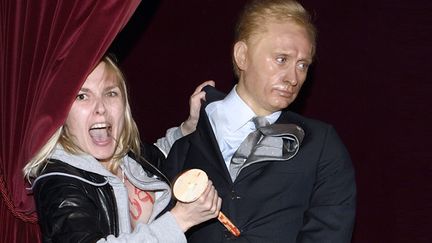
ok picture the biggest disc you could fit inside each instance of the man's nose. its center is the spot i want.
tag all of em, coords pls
(291, 76)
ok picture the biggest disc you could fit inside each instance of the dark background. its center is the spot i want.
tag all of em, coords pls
(371, 80)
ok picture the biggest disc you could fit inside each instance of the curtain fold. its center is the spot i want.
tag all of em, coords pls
(47, 48)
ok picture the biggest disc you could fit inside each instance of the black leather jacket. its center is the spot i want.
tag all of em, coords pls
(64, 204)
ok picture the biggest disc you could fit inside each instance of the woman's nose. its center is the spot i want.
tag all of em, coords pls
(100, 107)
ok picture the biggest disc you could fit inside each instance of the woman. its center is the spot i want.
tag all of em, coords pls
(91, 183)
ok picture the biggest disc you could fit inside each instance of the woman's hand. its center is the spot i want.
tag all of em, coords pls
(206, 207)
(189, 125)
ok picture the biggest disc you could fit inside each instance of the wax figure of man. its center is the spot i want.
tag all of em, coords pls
(297, 184)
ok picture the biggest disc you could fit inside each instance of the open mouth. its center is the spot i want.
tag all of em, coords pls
(100, 132)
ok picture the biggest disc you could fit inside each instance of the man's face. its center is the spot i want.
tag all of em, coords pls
(273, 66)
(96, 119)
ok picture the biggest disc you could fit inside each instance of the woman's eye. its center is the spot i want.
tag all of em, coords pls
(81, 97)
(112, 94)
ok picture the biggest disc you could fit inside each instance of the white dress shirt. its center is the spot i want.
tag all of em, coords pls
(231, 120)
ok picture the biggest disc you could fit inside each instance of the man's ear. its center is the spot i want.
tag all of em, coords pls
(240, 50)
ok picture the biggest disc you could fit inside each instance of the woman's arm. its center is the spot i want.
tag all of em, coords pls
(165, 143)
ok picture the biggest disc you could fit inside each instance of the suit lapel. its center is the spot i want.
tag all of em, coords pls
(205, 141)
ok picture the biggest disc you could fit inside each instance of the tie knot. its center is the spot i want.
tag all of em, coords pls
(260, 121)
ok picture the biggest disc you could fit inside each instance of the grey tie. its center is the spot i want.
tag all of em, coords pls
(276, 142)
(245, 148)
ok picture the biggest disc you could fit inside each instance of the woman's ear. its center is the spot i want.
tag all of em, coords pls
(240, 50)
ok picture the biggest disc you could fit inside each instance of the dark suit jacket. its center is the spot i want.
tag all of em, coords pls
(310, 198)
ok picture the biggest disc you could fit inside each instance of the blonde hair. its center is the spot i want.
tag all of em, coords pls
(129, 140)
(257, 13)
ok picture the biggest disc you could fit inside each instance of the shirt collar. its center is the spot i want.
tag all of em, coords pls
(234, 106)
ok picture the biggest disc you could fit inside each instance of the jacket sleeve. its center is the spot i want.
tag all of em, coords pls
(330, 217)
(66, 213)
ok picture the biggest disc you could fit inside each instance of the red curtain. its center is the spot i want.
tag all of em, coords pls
(47, 47)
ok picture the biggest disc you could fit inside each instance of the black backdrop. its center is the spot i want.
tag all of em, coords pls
(371, 80)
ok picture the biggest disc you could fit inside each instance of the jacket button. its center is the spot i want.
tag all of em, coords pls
(234, 196)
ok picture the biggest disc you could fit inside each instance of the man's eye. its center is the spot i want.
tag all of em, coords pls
(303, 66)
(281, 59)
(81, 97)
